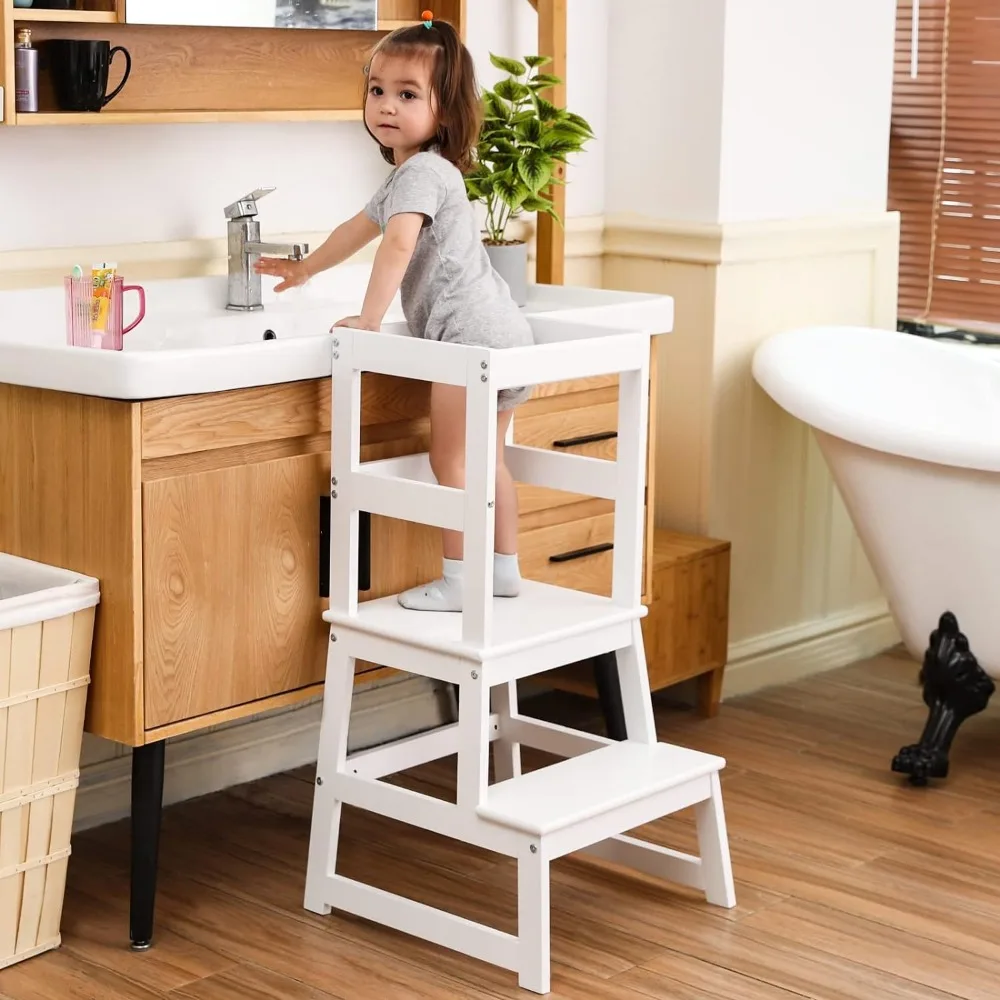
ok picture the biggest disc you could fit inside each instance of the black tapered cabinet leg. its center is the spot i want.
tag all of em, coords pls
(147, 809)
(955, 686)
(609, 691)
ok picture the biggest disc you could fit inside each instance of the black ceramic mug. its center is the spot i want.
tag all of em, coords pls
(79, 70)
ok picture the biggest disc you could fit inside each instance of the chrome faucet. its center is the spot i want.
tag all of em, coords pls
(244, 244)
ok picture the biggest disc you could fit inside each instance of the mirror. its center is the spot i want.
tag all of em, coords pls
(345, 15)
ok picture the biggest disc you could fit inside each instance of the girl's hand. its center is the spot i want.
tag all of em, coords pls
(293, 272)
(357, 323)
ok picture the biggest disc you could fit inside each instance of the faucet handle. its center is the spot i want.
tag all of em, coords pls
(246, 206)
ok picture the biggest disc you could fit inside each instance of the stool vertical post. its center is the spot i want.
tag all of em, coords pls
(713, 846)
(473, 740)
(506, 753)
(633, 679)
(633, 413)
(480, 500)
(533, 920)
(345, 417)
(324, 834)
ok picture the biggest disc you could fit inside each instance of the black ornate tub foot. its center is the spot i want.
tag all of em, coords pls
(955, 686)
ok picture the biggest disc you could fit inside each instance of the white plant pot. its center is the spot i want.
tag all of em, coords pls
(510, 261)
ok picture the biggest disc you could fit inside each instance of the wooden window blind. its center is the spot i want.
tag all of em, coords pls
(944, 160)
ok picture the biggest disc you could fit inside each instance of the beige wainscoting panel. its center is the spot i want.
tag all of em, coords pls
(730, 463)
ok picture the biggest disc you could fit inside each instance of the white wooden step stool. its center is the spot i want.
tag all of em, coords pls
(583, 803)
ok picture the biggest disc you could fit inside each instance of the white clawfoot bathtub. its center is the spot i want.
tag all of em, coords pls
(910, 429)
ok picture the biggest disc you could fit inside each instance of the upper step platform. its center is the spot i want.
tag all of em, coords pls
(615, 779)
(541, 615)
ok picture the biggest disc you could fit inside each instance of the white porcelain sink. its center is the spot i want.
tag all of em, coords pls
(189, 343)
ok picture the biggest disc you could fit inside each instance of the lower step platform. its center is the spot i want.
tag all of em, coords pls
(602, 782)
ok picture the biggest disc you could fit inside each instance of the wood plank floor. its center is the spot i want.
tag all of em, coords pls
(850, 883)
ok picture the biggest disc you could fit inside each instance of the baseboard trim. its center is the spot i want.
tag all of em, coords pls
(217, 759)
(812, 647)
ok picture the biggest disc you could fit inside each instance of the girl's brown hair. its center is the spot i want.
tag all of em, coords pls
(453, 79)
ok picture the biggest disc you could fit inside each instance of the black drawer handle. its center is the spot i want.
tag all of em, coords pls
(585, 439)
(590, 550)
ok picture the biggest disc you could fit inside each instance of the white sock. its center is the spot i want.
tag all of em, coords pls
(445, 593)
(506, 575)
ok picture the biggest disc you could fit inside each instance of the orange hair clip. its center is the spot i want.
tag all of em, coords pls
(428, 16)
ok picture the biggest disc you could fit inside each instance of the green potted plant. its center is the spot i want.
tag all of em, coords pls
(523, 138)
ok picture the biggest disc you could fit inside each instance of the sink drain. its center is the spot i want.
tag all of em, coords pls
(270, 335)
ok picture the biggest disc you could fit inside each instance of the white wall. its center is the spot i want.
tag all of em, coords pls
(807, 95)
(740, 110)
(665, 109)
(168, 182)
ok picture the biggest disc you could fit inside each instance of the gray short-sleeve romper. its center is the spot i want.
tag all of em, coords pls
(450, 291)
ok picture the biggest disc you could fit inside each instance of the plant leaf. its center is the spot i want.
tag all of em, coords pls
(545, 80)
(511, 189)
(547, 111)
(536, 203)
(511, 90)
(494, 107)
(559, 140)
(530, 130)
(579, 122)
(504, 145)
(567, 127)
(535, 61)
(535, 169)
(508, 65)
(475, 187)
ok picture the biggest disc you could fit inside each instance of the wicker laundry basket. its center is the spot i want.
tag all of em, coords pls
(46, 628)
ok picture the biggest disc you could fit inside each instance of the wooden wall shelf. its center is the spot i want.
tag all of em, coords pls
(199, 74)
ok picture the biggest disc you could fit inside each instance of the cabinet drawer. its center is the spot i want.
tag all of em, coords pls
(571, 386)
(390, 407)
(589, 430)
(575, 554)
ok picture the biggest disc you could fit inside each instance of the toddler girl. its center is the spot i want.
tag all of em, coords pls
(423, 109)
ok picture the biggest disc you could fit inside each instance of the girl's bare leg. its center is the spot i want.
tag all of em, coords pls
(448, 464)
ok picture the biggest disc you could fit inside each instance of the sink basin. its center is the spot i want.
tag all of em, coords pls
(189, 343)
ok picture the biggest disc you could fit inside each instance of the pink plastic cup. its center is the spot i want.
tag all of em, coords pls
(79, 329)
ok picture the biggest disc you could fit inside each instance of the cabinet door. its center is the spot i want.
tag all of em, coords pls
(231, 608)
